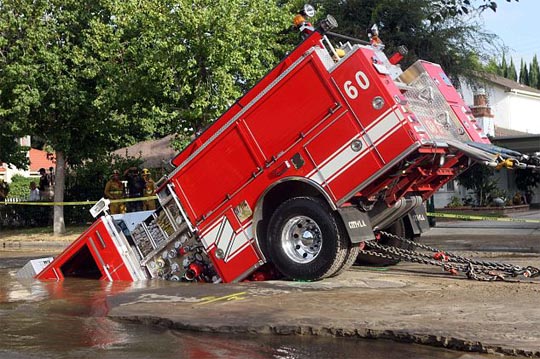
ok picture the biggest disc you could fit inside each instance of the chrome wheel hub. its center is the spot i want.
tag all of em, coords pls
(301, 239)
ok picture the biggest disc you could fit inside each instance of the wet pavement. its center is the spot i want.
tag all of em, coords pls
(407, 303)
(69, 320)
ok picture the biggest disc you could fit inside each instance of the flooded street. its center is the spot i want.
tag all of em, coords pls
(68, 320)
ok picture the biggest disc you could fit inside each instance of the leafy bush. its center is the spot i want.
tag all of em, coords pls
(19, 186)
(526, 182)
(478, 178)
(454, 202)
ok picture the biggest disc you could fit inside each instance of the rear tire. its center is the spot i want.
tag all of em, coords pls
(350, 259)
(306, 240)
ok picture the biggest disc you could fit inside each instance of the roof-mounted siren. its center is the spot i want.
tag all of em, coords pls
(306, 28)
(374, 39)
(300, 20)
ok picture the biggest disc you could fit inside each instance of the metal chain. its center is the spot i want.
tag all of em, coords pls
(450, 262)
(454, 257)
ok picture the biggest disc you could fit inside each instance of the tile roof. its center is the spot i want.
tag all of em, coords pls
(507, 83)
(507, 132)
(153, 152)
(38, 159)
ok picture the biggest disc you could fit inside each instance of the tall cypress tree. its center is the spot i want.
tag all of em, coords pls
(534, 73)
(512, 73)
(523, 73)
(504, 67)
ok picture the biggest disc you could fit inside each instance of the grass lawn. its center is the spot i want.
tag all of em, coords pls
(40, 234)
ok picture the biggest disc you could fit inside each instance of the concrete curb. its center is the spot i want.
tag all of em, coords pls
(401, 336)
(54, 245)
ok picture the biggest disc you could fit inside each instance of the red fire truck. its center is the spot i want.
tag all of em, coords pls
(333, 144)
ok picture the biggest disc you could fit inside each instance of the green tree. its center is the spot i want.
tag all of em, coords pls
(493, 67)
(193, 58)
(534, 73)
(455, 42)
(51, 78)
(511, 71)
(504, 67)
(447, 8)
(478, 179)
(10, 150)
(524, 74)
(88, 77)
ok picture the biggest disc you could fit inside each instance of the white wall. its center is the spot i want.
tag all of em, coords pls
(516, 111)
(525, 113)
(444, 195)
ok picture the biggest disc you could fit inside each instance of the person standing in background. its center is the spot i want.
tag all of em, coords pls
(44, 185)
(114, 189)
(149, 190)
(4, 190)
(34, 192)
(135, 186)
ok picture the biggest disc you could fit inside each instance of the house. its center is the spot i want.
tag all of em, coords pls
(37, 158)
(515, 106)
(509, 114)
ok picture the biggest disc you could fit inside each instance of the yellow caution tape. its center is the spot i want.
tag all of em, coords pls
(80, 203)
(430, 214)
(481, 218)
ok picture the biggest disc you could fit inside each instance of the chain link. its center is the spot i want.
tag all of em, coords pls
(450, 262)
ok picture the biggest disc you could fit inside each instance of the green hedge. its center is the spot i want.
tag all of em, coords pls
(20, 186)
(20, 216)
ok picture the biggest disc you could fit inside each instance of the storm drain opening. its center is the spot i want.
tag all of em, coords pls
(81, 265)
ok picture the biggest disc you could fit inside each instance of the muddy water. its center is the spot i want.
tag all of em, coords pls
(68, 320)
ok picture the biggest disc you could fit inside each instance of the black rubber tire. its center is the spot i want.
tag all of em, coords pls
(398, 228)
(333, 251)
(350, 259)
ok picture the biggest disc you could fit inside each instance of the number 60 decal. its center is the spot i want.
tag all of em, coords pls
(361, 80)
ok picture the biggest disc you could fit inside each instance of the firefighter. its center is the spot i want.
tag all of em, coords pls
(4, 190)
(149, 190)
(135, 186)
(114, 189)
(45, 188)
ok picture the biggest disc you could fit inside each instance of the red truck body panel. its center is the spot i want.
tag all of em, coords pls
(344, 127)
